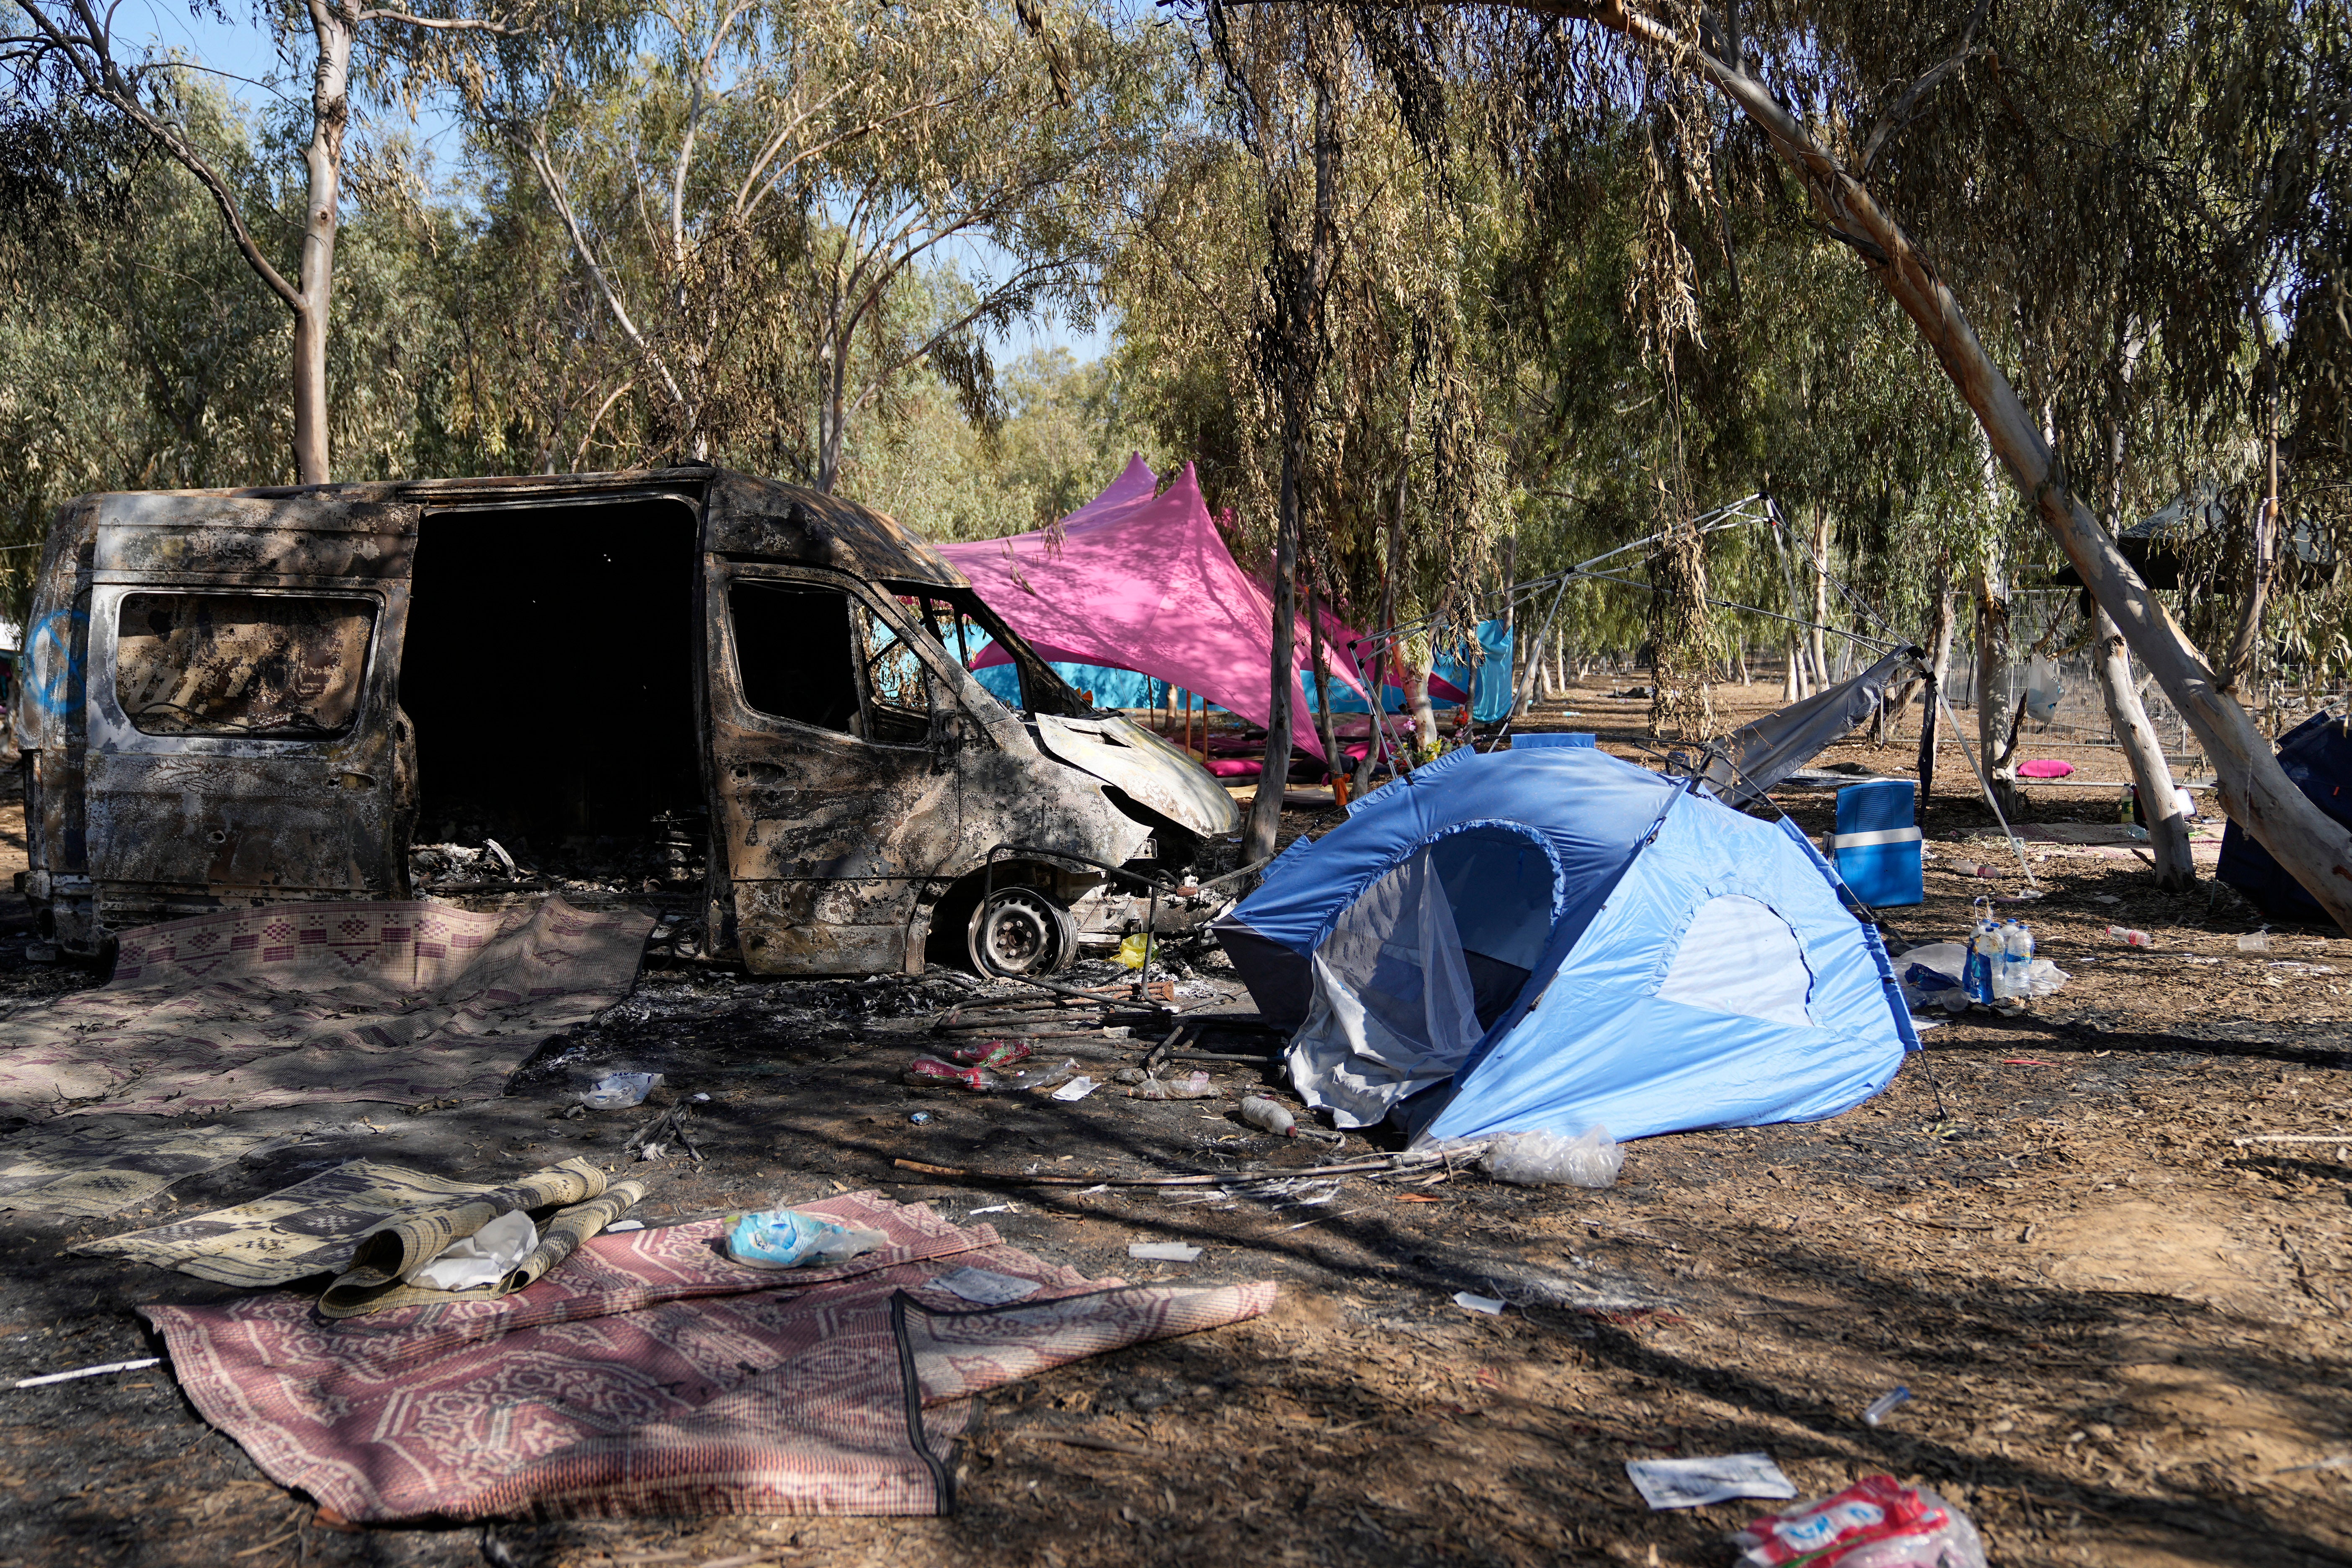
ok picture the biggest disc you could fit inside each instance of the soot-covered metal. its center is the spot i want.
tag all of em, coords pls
(234, 698)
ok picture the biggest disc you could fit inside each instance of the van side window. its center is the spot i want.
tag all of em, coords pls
(896, 680)
(794, 657)
(290, 666)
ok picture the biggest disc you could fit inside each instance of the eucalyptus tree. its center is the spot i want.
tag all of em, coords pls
(58, 51)
(2197, 188)
(783, 205)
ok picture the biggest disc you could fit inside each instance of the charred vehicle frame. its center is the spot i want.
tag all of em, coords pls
(243, 697)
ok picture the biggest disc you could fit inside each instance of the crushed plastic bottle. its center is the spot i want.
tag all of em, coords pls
(992, 1053)
(1044, 1078)
(2131, 938)
(930, 1072)
(1185, 1085)
(1591, 1158)
(1267, 1116)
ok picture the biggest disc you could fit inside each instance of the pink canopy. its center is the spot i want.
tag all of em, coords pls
(1143, 582)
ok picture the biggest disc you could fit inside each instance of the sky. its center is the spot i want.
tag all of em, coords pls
(241, 54)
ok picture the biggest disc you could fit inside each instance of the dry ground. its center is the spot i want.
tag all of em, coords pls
(2126, 1331)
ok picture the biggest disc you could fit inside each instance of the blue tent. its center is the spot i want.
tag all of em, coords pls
(1554, 939)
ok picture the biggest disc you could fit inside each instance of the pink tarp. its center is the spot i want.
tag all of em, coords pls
(1144, 582)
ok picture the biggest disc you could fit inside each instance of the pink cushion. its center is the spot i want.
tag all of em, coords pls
(1235, 767)
(2044, 768)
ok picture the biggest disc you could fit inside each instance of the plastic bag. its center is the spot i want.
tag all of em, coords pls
(1546, 1159)
(787, 1238)
(1877, 1522)
(1043, 1077)
(619, 1090)
(483, 1259)
(1130, 952)
(1185, 1085)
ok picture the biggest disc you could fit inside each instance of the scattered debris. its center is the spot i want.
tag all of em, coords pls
(83, 1372)
(1163, 1251)
(1694, 1482)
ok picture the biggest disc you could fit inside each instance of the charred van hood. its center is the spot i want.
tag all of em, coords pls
(1152, 772)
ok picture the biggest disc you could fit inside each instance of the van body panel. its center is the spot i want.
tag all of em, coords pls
(764, 520)
(212, 716)
(1151, 772)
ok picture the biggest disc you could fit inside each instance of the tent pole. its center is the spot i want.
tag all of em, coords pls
(2015, 846)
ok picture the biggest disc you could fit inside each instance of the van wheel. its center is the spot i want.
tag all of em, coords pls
(1019, 931)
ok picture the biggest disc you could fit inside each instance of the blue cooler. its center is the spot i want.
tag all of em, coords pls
(1567, 738)
(1876, 846)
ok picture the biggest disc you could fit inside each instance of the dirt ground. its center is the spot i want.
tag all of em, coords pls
(2124, 1328)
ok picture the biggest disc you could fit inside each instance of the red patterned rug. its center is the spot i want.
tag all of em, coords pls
(652, 1374)
(297, 1004)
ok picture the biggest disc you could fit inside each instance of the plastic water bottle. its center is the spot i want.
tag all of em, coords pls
(1984, 957)
(2013, 978)
(2131, 938)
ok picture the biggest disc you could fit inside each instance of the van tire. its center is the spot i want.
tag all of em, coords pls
(1019, 931)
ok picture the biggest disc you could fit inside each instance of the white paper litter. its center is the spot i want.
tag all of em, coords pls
(992, 1208)
(485, 1258)
(986, 1287)
(1477, 1303)
(1076, 1088)
(1716, 1477)
(1163, 1251)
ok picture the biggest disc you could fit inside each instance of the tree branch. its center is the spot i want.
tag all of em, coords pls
(441, 24)
(90, 58)
(1895, 117)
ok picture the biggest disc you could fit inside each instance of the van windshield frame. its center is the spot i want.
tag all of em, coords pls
(1041, 689)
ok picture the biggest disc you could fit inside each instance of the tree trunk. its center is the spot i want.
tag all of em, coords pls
(333, 26)
(1388, 653)
(1817, 639)
(2314, 848)
(1792, 682)
(2167, 825)
(1323, 728)
(1301, 326)
(1424, 713)
(1992, 681)
(2238, 673)
(1265, 808)
(2161, 802)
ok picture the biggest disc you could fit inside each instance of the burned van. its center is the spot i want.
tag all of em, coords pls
(242, 696)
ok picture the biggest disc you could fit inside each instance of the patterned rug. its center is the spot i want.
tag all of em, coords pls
(653, 1375)
(299, 1003)
(82, 1171)
(317, 1226)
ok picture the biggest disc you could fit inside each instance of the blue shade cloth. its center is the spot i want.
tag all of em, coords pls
(1489, 685)
(1646, 958)
(1346, 699)
(1112, 688)
(1520, 741)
